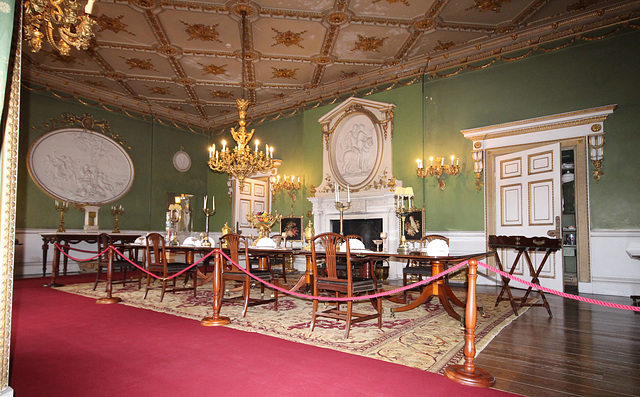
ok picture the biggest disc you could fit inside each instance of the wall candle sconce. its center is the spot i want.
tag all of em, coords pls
(438, 168)
(478, 167)
(596, 152)
(288, 183)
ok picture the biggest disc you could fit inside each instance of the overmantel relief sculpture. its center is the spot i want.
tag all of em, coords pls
(357, 147)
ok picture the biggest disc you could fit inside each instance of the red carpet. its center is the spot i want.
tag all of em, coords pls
(67, 345)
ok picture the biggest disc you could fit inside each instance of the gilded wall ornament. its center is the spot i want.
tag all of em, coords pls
(371, 43)
(283, 73)
(288, 38)
(114, 25)
(202, 32)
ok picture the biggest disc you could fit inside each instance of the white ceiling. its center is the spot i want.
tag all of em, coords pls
(180, 60)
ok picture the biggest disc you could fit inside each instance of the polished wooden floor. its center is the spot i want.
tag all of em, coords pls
(583, 350)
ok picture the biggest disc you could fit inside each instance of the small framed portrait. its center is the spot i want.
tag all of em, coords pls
(414, 225)
(292, 226)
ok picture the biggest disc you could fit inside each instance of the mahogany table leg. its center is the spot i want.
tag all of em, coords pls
(54, 269)
(468, 374)
(216, 319)
(426, 293)
(109, 299)
(45, 248)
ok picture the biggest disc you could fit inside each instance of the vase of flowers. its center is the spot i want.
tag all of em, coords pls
(263, 221)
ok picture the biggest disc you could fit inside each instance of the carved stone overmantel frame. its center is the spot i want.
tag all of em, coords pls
(357, 147)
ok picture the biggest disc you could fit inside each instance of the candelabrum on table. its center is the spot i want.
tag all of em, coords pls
(263, 221)
(62, 207)
(340, 206)
(207, 213)
(404, 205)
(117, 210)
(174, 218)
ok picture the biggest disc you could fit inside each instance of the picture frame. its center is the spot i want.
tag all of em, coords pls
(292, 225)
(414, 225)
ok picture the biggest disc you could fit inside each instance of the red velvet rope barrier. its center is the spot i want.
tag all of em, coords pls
(371, 296)
(562, 294)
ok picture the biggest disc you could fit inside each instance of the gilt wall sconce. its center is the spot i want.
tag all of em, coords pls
(478, 167)
(596, 152)
(438, 168)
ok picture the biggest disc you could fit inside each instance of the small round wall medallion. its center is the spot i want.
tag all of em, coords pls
(182, 161)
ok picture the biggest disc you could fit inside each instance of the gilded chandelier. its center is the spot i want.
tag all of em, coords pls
(241, 162)
(59, 21)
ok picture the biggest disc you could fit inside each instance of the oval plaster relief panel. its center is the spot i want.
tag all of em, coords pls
(355, 150)
(80, 166)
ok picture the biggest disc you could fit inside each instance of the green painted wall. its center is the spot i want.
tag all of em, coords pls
(428, 120)
(152, 148)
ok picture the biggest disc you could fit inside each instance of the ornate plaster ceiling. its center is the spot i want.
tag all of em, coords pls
(180, 60)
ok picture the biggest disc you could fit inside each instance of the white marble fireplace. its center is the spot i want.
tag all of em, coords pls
(378, 205)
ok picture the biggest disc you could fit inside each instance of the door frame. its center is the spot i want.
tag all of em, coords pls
(578, 130)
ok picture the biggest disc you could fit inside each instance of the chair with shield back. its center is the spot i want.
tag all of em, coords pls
(237, 247)
(326, 278)
(159, 265)
(120, 265)
(419, 269)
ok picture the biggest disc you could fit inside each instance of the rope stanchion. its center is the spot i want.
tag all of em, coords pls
(216, 319)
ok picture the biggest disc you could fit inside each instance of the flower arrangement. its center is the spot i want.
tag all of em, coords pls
(263, 221)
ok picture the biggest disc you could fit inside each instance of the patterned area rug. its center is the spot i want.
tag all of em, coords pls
(425, 337)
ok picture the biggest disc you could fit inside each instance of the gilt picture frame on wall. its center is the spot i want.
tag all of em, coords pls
(414, 225)
(292, 226)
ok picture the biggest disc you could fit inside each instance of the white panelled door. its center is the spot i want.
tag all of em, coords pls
(528, 203)
(253, 198)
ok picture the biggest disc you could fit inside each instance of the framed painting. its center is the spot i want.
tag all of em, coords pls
(414, 225)
(292, 226)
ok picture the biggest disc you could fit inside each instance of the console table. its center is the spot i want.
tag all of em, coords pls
(69, 238)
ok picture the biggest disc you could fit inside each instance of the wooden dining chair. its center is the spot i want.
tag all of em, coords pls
(238, 248)
(119, 264)
(424, 268)
(328, 280)
(158, 264)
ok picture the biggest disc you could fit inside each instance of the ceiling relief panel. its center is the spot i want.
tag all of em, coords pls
(181, 60)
